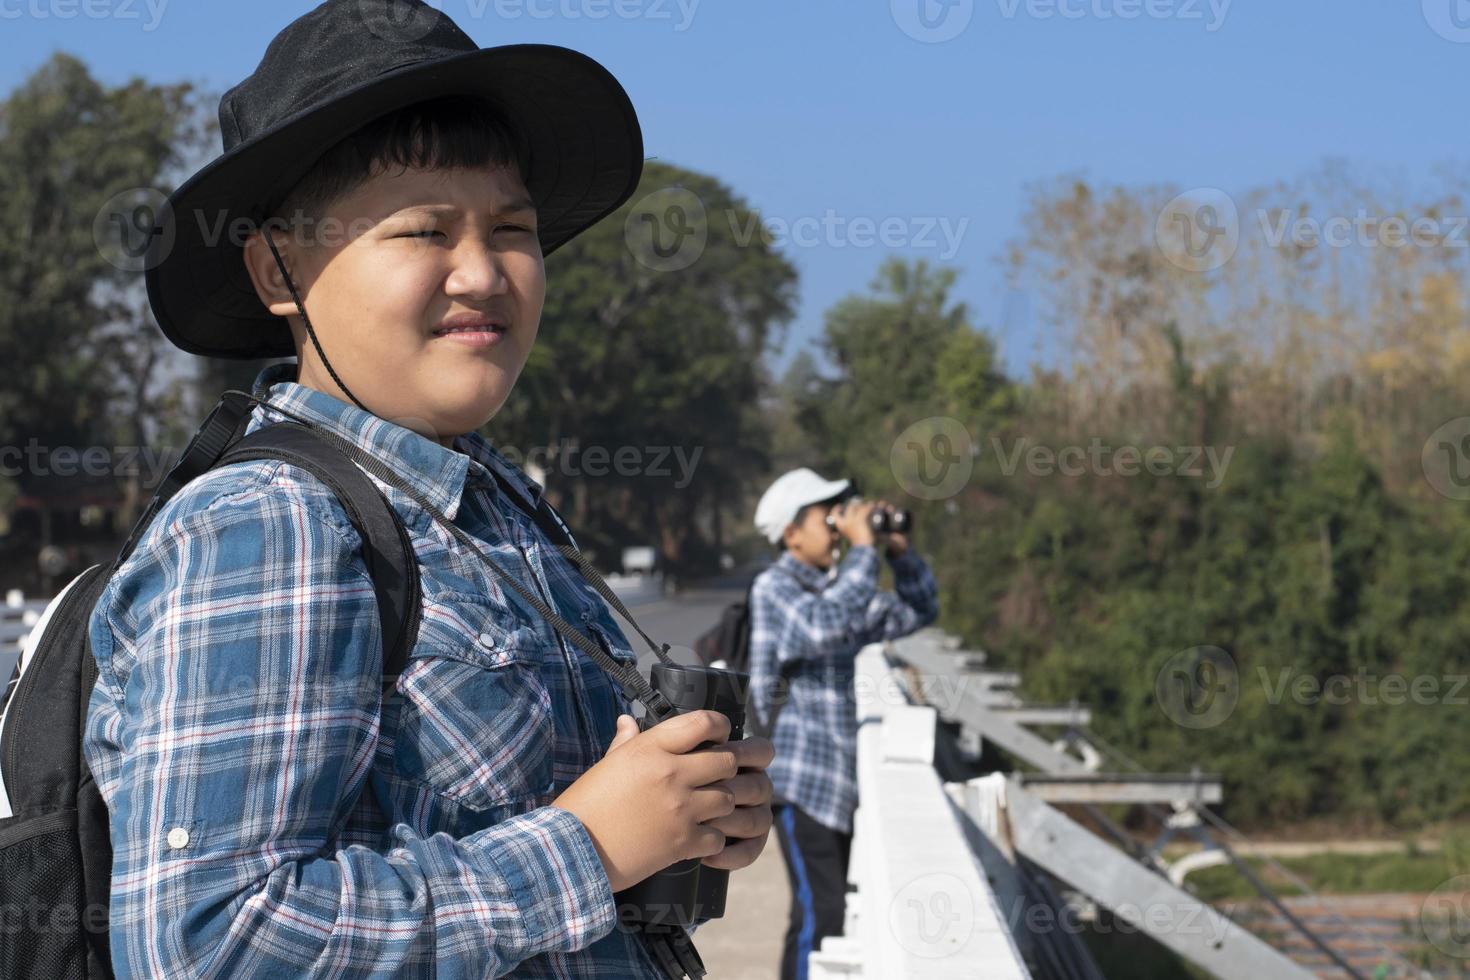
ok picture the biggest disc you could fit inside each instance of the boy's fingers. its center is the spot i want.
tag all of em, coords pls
(754, 752)
(741, 854)
(704, 767)
(627, 730)
(682, 733)
(708, 842)
(744, 821)
(712, 803)
(750, 788)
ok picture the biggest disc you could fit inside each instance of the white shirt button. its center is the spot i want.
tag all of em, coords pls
(487, 640)
(178, 838)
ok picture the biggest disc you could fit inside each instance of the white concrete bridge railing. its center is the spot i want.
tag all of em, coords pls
(923, 907)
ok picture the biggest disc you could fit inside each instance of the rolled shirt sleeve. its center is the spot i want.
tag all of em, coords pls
(913, 604)
(232, 731)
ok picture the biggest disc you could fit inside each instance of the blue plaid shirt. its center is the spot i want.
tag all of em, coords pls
(811, 627)
(270, 815)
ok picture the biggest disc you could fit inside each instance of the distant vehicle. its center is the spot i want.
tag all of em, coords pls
(639, 561)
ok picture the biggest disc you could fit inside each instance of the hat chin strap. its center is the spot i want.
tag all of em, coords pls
(296, 298)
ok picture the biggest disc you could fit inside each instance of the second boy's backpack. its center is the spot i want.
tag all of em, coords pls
(727, 645)
(55, 849)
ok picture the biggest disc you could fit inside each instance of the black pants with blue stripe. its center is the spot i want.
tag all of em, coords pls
(816, 866)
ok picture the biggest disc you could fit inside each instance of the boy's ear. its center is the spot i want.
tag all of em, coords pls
(266, 276)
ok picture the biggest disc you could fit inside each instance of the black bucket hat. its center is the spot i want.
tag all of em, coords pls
(330, 73)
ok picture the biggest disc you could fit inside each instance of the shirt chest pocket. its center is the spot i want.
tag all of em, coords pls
(476, 724)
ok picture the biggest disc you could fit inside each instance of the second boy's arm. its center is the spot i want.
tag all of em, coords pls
(913, 605)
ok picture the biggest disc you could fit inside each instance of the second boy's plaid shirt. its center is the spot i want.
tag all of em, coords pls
(812, 627)
(268, 819)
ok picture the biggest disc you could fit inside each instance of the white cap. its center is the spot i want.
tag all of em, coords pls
(789, 494)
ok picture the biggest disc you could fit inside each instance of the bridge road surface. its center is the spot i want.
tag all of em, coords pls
(746, 943)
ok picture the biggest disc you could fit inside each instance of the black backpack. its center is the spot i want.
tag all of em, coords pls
(727, 643)
(55, 850)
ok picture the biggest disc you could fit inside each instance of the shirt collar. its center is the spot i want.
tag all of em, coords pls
(440, 474)
(808, 575)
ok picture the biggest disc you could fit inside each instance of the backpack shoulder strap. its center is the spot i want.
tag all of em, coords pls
(220, 430)
(387, 550)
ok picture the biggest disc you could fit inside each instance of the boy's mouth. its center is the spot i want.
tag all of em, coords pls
(473, 329)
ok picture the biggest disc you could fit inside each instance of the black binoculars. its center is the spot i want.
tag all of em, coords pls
(885, 520)
(687, 891)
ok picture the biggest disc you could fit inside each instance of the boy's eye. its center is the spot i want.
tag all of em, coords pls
(425, 233)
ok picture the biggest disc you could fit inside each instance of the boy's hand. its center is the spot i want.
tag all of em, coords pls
(853, 521)
(646, 804)
(751, 820)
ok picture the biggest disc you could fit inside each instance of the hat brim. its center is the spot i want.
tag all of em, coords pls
(579, 125)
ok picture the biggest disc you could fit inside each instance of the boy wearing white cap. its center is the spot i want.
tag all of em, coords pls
(807, 623)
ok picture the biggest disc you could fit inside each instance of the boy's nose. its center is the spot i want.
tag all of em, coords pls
(478, 271)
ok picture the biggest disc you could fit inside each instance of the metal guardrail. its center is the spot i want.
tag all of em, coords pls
(949, 876)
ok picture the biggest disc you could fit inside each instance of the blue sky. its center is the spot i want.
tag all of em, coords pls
(811, 108)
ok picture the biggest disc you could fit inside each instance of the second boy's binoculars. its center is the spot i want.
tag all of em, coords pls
(885, 520)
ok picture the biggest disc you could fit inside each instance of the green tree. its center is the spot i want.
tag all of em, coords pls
(638, 353)
(72, 322)
(902, 353)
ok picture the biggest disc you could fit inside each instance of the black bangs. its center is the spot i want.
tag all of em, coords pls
(457, 132)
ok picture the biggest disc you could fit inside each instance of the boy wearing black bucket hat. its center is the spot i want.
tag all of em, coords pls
(386, 197)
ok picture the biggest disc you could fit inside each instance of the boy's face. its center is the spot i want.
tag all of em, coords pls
(387, 266)
(809, 539)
